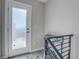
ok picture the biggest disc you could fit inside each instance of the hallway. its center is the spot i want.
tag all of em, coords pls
(24, 24)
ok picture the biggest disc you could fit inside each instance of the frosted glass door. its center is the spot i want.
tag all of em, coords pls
(19, 17)
(19, 28)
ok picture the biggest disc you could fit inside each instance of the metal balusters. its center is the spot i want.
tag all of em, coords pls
(58, 53)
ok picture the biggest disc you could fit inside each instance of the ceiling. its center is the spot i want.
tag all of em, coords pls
(44, 1)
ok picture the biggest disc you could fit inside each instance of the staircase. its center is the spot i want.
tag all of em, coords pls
(58, 47)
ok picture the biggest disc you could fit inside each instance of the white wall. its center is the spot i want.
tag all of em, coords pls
(62, 16)
(37, 23)
(0, 28)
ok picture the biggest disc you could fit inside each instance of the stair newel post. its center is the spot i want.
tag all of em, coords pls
(69, 47)
(46, 45)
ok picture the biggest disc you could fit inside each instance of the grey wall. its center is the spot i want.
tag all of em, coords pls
(62, 16)
(37, 23)
(0, 27)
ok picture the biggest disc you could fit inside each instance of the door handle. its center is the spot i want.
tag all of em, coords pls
(28, 30)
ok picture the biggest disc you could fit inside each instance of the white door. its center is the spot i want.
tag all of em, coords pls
(19, 28)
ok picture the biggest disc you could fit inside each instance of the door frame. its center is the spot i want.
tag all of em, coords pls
(5, 28)
(23, 50)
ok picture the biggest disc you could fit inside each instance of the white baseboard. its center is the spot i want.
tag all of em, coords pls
(32, 51)
(39, 49)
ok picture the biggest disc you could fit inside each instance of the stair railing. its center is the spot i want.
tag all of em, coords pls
(60, 47)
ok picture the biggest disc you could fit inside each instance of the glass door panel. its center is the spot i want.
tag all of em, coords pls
(19, 28)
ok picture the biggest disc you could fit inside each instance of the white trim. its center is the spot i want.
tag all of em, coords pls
(4, 28)
(22, 4)
(39, 49)
(32, 51)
